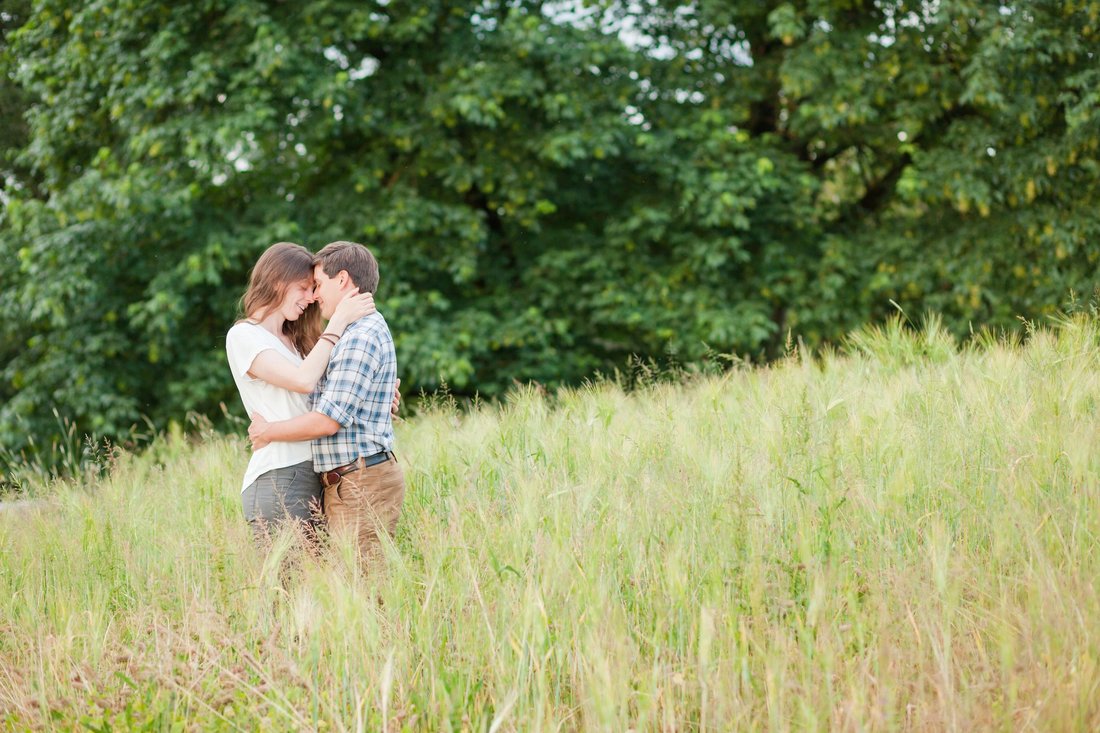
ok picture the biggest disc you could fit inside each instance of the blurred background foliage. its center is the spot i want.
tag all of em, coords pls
(552, 188)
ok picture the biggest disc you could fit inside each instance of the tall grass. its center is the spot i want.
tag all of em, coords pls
(903, 538)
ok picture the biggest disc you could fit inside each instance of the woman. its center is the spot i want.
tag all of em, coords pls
(277, 353)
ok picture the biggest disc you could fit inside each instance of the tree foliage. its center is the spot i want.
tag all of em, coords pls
(550, 188)
(953, 145)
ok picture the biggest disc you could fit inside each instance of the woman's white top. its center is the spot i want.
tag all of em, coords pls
(244, 342)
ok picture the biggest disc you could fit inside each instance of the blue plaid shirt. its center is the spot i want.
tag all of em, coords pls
(356, 392)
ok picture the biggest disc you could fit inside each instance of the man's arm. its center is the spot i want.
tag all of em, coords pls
(304, 427)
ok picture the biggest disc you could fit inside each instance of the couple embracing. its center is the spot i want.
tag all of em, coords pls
(321, 398)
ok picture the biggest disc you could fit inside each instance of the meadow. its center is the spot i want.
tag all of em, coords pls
(899, 536)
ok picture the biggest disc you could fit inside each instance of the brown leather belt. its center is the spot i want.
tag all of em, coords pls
(328, 478)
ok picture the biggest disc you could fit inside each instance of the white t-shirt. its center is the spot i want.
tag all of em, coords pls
(244, 342)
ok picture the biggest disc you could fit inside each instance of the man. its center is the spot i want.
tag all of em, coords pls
(350, 425)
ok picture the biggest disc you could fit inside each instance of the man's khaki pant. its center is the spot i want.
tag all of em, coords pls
(365, 503)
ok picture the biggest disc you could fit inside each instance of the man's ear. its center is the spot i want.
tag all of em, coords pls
(344, 278)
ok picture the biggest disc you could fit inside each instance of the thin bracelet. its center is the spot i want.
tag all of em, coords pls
(328, 337)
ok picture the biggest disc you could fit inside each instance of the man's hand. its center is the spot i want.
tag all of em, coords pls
(396, 399)
(257, 430)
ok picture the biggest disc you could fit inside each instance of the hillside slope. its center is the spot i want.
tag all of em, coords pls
(902, 538)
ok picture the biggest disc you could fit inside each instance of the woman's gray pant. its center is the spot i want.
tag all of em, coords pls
(293, 493)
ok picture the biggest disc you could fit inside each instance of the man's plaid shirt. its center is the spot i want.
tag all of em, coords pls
(356, 392)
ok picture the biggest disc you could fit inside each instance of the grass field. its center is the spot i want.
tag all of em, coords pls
(906, 537)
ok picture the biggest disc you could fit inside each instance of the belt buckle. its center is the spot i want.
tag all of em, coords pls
(333, 477)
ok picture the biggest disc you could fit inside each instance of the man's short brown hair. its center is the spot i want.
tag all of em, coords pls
(353, 258)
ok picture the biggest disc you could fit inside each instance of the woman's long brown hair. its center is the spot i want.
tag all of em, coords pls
(280, 266)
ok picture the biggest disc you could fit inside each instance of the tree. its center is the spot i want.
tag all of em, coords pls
(952, 144)
(550, 188)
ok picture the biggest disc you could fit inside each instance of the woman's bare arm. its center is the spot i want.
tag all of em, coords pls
(276, 369)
